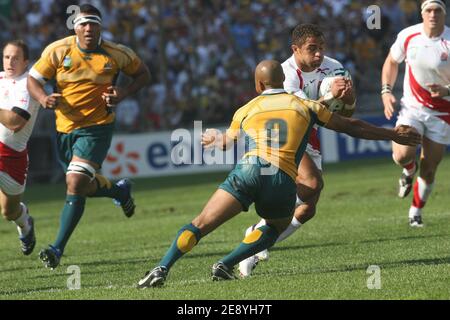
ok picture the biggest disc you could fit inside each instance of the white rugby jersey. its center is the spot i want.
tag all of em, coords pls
(306, 85)
(427, 61)
(309, 82)
(14, 94)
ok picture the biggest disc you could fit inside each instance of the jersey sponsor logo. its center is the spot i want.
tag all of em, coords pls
(444, 56)
(67, 63)
(322, 71)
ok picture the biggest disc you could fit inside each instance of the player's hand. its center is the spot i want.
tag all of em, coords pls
(113, 96)
(209, 137)
(338, 87)
(348, 96)
(50, 101)
(407, 135)
(437, 91)
(389, 103)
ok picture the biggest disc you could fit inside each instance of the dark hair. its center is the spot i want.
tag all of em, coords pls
(21, 44)
(303, 31)
(90, 9)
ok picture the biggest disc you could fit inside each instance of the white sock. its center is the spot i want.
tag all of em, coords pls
(293, 226)
(424, 190)
(414, 212)
(259, 224)
(22, 221)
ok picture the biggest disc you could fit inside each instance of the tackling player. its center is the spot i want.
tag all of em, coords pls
(18, 113)
(304, 72)
(425, 104)
(85, 67)
(266, 174)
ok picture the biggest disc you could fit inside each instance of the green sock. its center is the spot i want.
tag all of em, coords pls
(70, 216)
(106, 188)
(262, 238)
(186, 239)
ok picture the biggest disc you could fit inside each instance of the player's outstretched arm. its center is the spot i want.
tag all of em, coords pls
(361, 129)
(388, 78)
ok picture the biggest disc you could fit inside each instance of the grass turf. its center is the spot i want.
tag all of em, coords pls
(360, 222)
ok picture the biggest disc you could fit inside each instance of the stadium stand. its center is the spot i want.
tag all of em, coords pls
(201, 53)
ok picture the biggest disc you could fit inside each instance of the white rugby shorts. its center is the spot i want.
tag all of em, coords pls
(10, 186)
(428, 125)
(315, 155)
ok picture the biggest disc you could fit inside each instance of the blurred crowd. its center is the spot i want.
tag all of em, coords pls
(201, 53)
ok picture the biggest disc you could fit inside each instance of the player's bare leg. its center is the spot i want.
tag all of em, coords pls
(82, 181)
(221, 207)
(13, 210)
(259, 239)
(309, 179)
(79, 178)
(405, 156)
(10, 206)
(309, 185)
(431, 155)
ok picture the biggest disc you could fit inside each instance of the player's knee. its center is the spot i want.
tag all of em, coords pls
(79, 175)
(76, 184)
(305, 212)
(314, 184)
(310, 212)
(397, 159)
(401, 159)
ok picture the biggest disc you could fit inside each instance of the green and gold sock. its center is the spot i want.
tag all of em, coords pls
(186, 239)
(106, 188)
(70, 216)
(262, 238)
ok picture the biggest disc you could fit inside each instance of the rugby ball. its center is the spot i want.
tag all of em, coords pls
(334, 105)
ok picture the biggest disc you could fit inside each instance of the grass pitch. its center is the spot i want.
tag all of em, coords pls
(360, 222)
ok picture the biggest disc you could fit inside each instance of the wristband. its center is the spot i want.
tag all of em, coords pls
(328, 97)
(386, 88)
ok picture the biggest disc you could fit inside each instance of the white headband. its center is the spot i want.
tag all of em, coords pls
(428, 3)
(83, 19)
